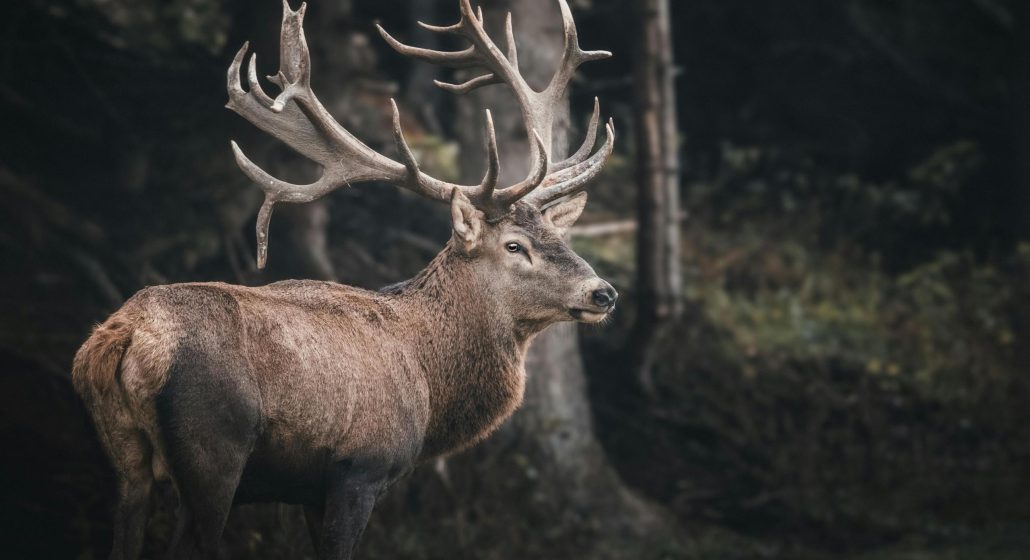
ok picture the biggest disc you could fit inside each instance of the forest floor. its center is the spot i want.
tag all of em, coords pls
(1010, 543)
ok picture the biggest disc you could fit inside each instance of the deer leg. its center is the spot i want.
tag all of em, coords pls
(315, 516)
(204, 506)
(135, 482)
(209, 414)
(351, 495)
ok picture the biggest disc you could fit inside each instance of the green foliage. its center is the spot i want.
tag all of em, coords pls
(817, 398)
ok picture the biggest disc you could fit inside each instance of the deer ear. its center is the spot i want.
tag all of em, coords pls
(467, 221)
(565, 213)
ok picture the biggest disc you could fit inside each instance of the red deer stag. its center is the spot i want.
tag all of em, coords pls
(321, 394)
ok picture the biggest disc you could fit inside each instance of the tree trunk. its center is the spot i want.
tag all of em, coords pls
(421, 94)
(1019, 124)
(553, 431)
(658, 269)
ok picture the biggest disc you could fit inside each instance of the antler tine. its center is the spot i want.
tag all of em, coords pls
(513, 48)
(276, 190)
(402, 145)
(537, 175)
(598, 157)
(588, 142)
(572, 180)
(465, 87)
(255, 85)
(455, 29)
(573, 55)
(264, 217)
(493, 159)
(449, 59)
(415, 179)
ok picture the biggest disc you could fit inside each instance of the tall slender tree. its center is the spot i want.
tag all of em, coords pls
(658, 177)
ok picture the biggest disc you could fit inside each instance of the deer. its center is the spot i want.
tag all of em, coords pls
(321, 394)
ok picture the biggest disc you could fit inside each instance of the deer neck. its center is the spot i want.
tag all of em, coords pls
(471, 350)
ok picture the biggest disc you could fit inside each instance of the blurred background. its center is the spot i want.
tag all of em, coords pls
(818, 216)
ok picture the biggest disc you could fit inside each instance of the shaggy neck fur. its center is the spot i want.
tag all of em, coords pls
(471, 348)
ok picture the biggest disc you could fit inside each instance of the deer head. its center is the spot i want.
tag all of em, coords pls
(513, 235)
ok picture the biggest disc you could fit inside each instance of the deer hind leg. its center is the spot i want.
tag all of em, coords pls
(135, 482)
(208, 414)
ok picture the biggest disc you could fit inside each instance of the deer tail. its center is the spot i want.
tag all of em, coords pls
(95, 369)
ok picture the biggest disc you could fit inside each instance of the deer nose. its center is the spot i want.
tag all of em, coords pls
(605, 297)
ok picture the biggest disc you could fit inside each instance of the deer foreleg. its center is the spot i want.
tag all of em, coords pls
(350, 496)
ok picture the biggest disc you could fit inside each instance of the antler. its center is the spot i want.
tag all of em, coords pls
(538, 107)
(299, 119)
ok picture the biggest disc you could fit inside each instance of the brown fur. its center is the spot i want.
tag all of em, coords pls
(95, 369)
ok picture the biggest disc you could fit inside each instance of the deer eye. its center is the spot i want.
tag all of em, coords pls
(513, 247)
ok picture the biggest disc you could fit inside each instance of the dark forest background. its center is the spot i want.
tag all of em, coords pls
(847, 374)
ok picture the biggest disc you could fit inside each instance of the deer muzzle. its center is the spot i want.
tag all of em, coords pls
(599, 301)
